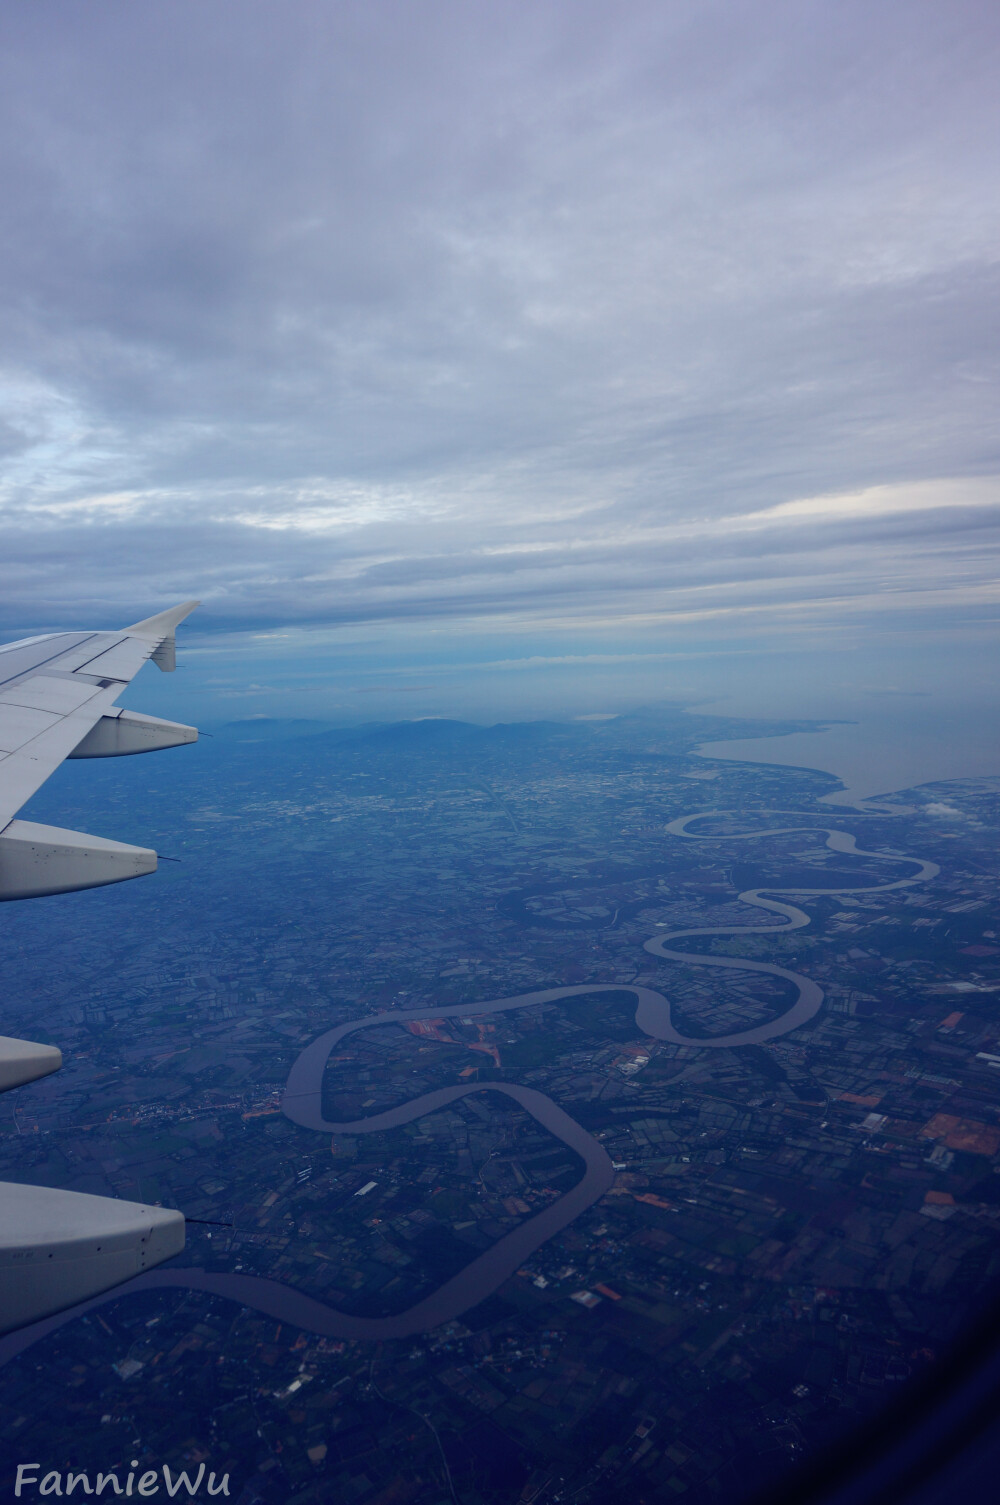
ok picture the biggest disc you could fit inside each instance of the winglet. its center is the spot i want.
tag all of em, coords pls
(160, 629)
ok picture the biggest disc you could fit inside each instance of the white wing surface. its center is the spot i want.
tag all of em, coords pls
(57, 700)
(54, 690)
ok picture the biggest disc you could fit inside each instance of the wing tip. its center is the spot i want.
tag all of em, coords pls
(164, 622)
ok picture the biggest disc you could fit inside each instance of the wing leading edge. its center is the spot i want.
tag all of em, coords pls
(57, 701)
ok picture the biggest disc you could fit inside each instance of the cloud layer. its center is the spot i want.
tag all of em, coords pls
(563, 313)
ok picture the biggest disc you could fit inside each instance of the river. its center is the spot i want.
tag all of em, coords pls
(302, 1104)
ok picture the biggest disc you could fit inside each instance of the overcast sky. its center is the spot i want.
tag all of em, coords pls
(547, 319)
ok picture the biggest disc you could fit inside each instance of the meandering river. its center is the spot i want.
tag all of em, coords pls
(303, 1104)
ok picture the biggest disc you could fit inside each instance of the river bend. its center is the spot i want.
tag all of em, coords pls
(302, 1103)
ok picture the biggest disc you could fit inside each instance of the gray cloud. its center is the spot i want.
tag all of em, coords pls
(330, 314)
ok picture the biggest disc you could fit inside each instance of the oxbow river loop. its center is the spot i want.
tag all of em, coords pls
(303, 1104)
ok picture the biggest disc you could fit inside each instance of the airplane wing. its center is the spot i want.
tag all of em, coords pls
(57, 700)
(55, 690)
